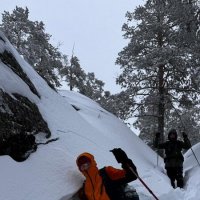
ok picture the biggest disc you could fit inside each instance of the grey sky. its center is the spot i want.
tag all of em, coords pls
(93, 25)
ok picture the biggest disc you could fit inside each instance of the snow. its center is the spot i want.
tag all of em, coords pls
(51, 172)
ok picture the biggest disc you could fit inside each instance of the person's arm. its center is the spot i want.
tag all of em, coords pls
(121, 176)
(186, 142)
(114, 173)
(156, 142)
(127, 165)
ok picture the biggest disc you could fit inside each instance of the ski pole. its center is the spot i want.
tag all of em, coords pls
(157, 158)
(145, 185)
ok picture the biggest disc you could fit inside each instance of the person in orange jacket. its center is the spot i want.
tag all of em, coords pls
(107, 183)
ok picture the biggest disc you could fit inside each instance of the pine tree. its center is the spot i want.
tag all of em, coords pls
(73, 73)
(92, 87)
(158, 65)
(118, 104)
(32, 43)
(16, 26)
(80, 81)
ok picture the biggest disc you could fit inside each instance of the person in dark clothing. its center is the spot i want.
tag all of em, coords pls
(107, 183)
(173, 155)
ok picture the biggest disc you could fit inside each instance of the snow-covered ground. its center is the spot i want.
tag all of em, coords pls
(51, 172)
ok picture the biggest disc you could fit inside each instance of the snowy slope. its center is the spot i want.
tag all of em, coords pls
(51, 172)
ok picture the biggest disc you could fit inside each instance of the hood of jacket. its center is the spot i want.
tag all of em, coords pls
(93, 165)
(93, 186)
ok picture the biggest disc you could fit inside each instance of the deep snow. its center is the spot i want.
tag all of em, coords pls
(51, 173)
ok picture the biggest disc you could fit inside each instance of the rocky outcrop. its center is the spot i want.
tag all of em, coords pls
(8, 59)
(18, 115)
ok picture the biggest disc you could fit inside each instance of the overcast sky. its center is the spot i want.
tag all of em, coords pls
(94, 26)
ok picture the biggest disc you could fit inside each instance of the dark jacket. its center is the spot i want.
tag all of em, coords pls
(173, 151)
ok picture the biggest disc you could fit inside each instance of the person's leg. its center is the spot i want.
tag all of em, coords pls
(171, 175)
(179, 177)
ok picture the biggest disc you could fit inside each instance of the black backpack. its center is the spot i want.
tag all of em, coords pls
(117, 190)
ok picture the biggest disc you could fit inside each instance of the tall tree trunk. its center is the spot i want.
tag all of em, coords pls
(71, 71)
(161, 89)
(71, 76)
(70, 80)
(161, 103)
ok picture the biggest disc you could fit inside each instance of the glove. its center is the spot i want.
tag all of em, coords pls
(184, 135)
(157, 134)
(120, 155)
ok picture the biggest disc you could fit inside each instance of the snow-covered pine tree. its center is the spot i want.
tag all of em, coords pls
(80, 81)
(15, 26)
(92, 87)
(33, 43)
(73, 74)
(119, 104)
(158, 65)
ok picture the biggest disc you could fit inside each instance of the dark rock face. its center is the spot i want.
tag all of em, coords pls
(20, 118)
(20, 114)
(8, 59)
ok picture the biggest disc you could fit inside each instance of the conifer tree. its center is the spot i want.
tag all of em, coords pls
(92, 87)
(33, 43)
(73, 73)
(159, 64)
(78, 80)
(118, 104)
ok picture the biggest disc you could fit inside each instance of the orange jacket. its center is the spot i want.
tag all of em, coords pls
(93, 187)
(115, 174)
